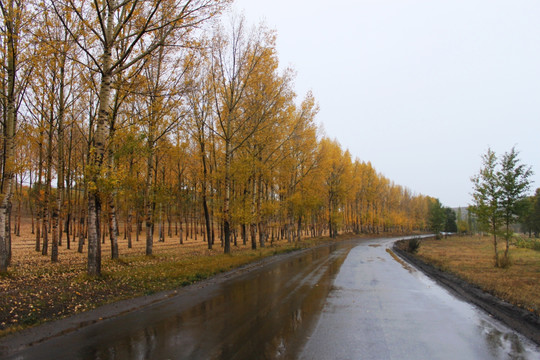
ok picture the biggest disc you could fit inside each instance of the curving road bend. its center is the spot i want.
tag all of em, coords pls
(382, 308)
(351, 300)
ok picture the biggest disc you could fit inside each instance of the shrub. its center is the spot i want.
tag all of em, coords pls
(414, 245)
(505, 261)
(525, 243)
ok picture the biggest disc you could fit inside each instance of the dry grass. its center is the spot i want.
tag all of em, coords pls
(472, 259)
(36, 290)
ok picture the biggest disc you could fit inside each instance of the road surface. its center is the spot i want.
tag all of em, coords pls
(382, 308)
(352, 300)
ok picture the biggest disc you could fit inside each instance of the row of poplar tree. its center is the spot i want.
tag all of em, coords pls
(141, 112)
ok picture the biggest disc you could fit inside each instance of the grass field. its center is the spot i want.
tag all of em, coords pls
(36, 290)
(472, 259)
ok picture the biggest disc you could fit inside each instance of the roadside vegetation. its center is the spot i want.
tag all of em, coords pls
(471, 258)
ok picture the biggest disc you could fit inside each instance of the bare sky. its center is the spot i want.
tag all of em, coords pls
(419, 88)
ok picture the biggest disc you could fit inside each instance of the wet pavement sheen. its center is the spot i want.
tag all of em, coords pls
(351, 300)
(264, 314)
(381, 308)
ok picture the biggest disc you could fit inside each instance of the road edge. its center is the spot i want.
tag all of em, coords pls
(520, 320)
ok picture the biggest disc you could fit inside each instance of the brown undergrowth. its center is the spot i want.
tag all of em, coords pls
(472, 259)
(36, 290)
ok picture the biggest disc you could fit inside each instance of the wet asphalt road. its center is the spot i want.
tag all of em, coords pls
(382, 308)
(348, 301)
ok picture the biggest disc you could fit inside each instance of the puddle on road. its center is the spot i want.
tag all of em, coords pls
(505, 344)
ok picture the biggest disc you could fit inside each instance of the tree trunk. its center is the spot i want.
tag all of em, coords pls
(68, 192)
(10, 118)
(47, 196)
(495, 246)
(227, 199)
(129, 228)
(507, 238)
(113, 223)
(207, 219)
(149, 205)
(47, 207)
(81, 232)
(113, 230)
(96, 164)
(60, 152)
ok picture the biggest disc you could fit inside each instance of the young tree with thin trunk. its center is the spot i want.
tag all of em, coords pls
(486, 198)
(514, 182)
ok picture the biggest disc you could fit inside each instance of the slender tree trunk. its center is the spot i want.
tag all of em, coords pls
(81, 231)
(258, 211)
(47, 201)
(96, 164)
(495, 246)
(113, 229)
(253, 232)
(169, 222)
(227, 199)
(129, 228)
(137, 226)
(507, 238)
(19, 201)
(68, 192)
(149, 207)
(204, 194)
(39, 202)
(113, 221)
(10, 119)
(8, 233)
(31, 203)
(60, 154)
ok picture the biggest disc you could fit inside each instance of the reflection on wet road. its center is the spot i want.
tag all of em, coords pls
(382, 308)
(263, 314)
(353, 300)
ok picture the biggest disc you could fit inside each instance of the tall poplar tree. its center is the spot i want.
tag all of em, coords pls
(14, 24)
(235, 59)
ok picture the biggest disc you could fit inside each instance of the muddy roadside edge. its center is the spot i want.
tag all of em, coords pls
(12, 343)
(523, 321)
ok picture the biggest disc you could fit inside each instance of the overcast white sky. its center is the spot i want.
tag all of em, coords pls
(419, 88)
